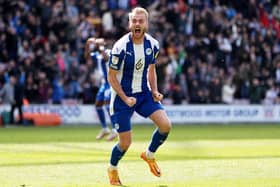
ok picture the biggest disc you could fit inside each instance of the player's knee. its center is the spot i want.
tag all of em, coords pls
(166, 126)
(125, 145)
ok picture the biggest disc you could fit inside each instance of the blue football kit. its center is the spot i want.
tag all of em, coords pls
(132, 62)
(103, 93)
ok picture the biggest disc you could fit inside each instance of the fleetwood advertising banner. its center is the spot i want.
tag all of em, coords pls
(85, 114)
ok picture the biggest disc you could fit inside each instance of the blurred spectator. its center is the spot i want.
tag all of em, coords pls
(31, 89)
(7, 92)
(228, 90)
(57, 90)
(12, 93)
(19, 87)
(276, 11)
(215, 91)
(256, 92)
(271, 93)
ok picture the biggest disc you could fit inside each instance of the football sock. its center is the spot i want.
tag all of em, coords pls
(116, 155)
(112, 167)
(101, 116)
(157, 139)
(149, 154)
(114, 131)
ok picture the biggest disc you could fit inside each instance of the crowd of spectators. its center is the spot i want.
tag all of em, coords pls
(212, 51)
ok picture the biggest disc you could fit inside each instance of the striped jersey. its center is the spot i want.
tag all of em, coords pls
(101, 64)
(132, 62)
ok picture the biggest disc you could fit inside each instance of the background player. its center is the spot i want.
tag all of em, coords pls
(95, 49)
(132, 76)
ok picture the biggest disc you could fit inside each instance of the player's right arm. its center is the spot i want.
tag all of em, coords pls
(112, 78)
(100, 42)
(115, 62)
(89, 43)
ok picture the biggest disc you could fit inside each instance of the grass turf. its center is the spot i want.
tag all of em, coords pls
(199, 155)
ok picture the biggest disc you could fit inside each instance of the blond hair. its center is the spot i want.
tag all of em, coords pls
(138, 10)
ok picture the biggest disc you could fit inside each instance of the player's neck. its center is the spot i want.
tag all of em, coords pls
(137, 40)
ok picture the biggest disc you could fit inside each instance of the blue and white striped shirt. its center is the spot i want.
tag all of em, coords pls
(102, 66)
(132, 62)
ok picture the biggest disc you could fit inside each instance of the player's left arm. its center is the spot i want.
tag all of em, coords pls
(152, 75)
(152, 78)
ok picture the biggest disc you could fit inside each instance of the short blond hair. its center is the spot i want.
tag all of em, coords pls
(138, 10)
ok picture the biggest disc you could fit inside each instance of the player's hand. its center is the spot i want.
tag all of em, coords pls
(157, 96)
(90, 43)
(130, 101)
(100, 42)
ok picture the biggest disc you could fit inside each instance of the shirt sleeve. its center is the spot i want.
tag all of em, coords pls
(116, 57)
(155, 52)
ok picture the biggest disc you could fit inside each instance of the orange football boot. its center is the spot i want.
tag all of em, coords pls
(114, 177)
(152, 164)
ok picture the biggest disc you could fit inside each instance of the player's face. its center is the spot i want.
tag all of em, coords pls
(138, 25)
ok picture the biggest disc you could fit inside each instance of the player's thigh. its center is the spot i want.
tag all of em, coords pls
(147, 105)
(122, 120)
(161, 120)
(107, 94)
(100, 96)
(121, 115)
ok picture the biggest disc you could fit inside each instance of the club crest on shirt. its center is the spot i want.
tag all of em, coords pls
(148, 51)
(139, 64)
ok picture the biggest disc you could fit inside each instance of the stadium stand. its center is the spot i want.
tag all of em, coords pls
(212, 51)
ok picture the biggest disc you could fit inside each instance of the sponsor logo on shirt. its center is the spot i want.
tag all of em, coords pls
(139, 64)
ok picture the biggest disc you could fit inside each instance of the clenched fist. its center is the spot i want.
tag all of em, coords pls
(157, 96)
(130, 101)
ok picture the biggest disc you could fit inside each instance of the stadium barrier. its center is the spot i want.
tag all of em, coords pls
(187, 114)
(42, 119)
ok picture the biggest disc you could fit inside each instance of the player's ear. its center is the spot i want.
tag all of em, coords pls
(147, 28)
(147, 24)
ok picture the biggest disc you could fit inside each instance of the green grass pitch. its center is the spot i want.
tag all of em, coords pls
(194, 155)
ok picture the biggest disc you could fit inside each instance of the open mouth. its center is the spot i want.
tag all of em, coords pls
(137, 30)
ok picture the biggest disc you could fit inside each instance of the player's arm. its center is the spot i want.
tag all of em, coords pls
(100, 42)
(152, 78)
(105, 55)
(112, 78)
(88, 47)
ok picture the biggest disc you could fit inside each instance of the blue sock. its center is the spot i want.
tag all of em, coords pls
(157, 139)
(108, 110)
(101, 116)
(116, 155)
